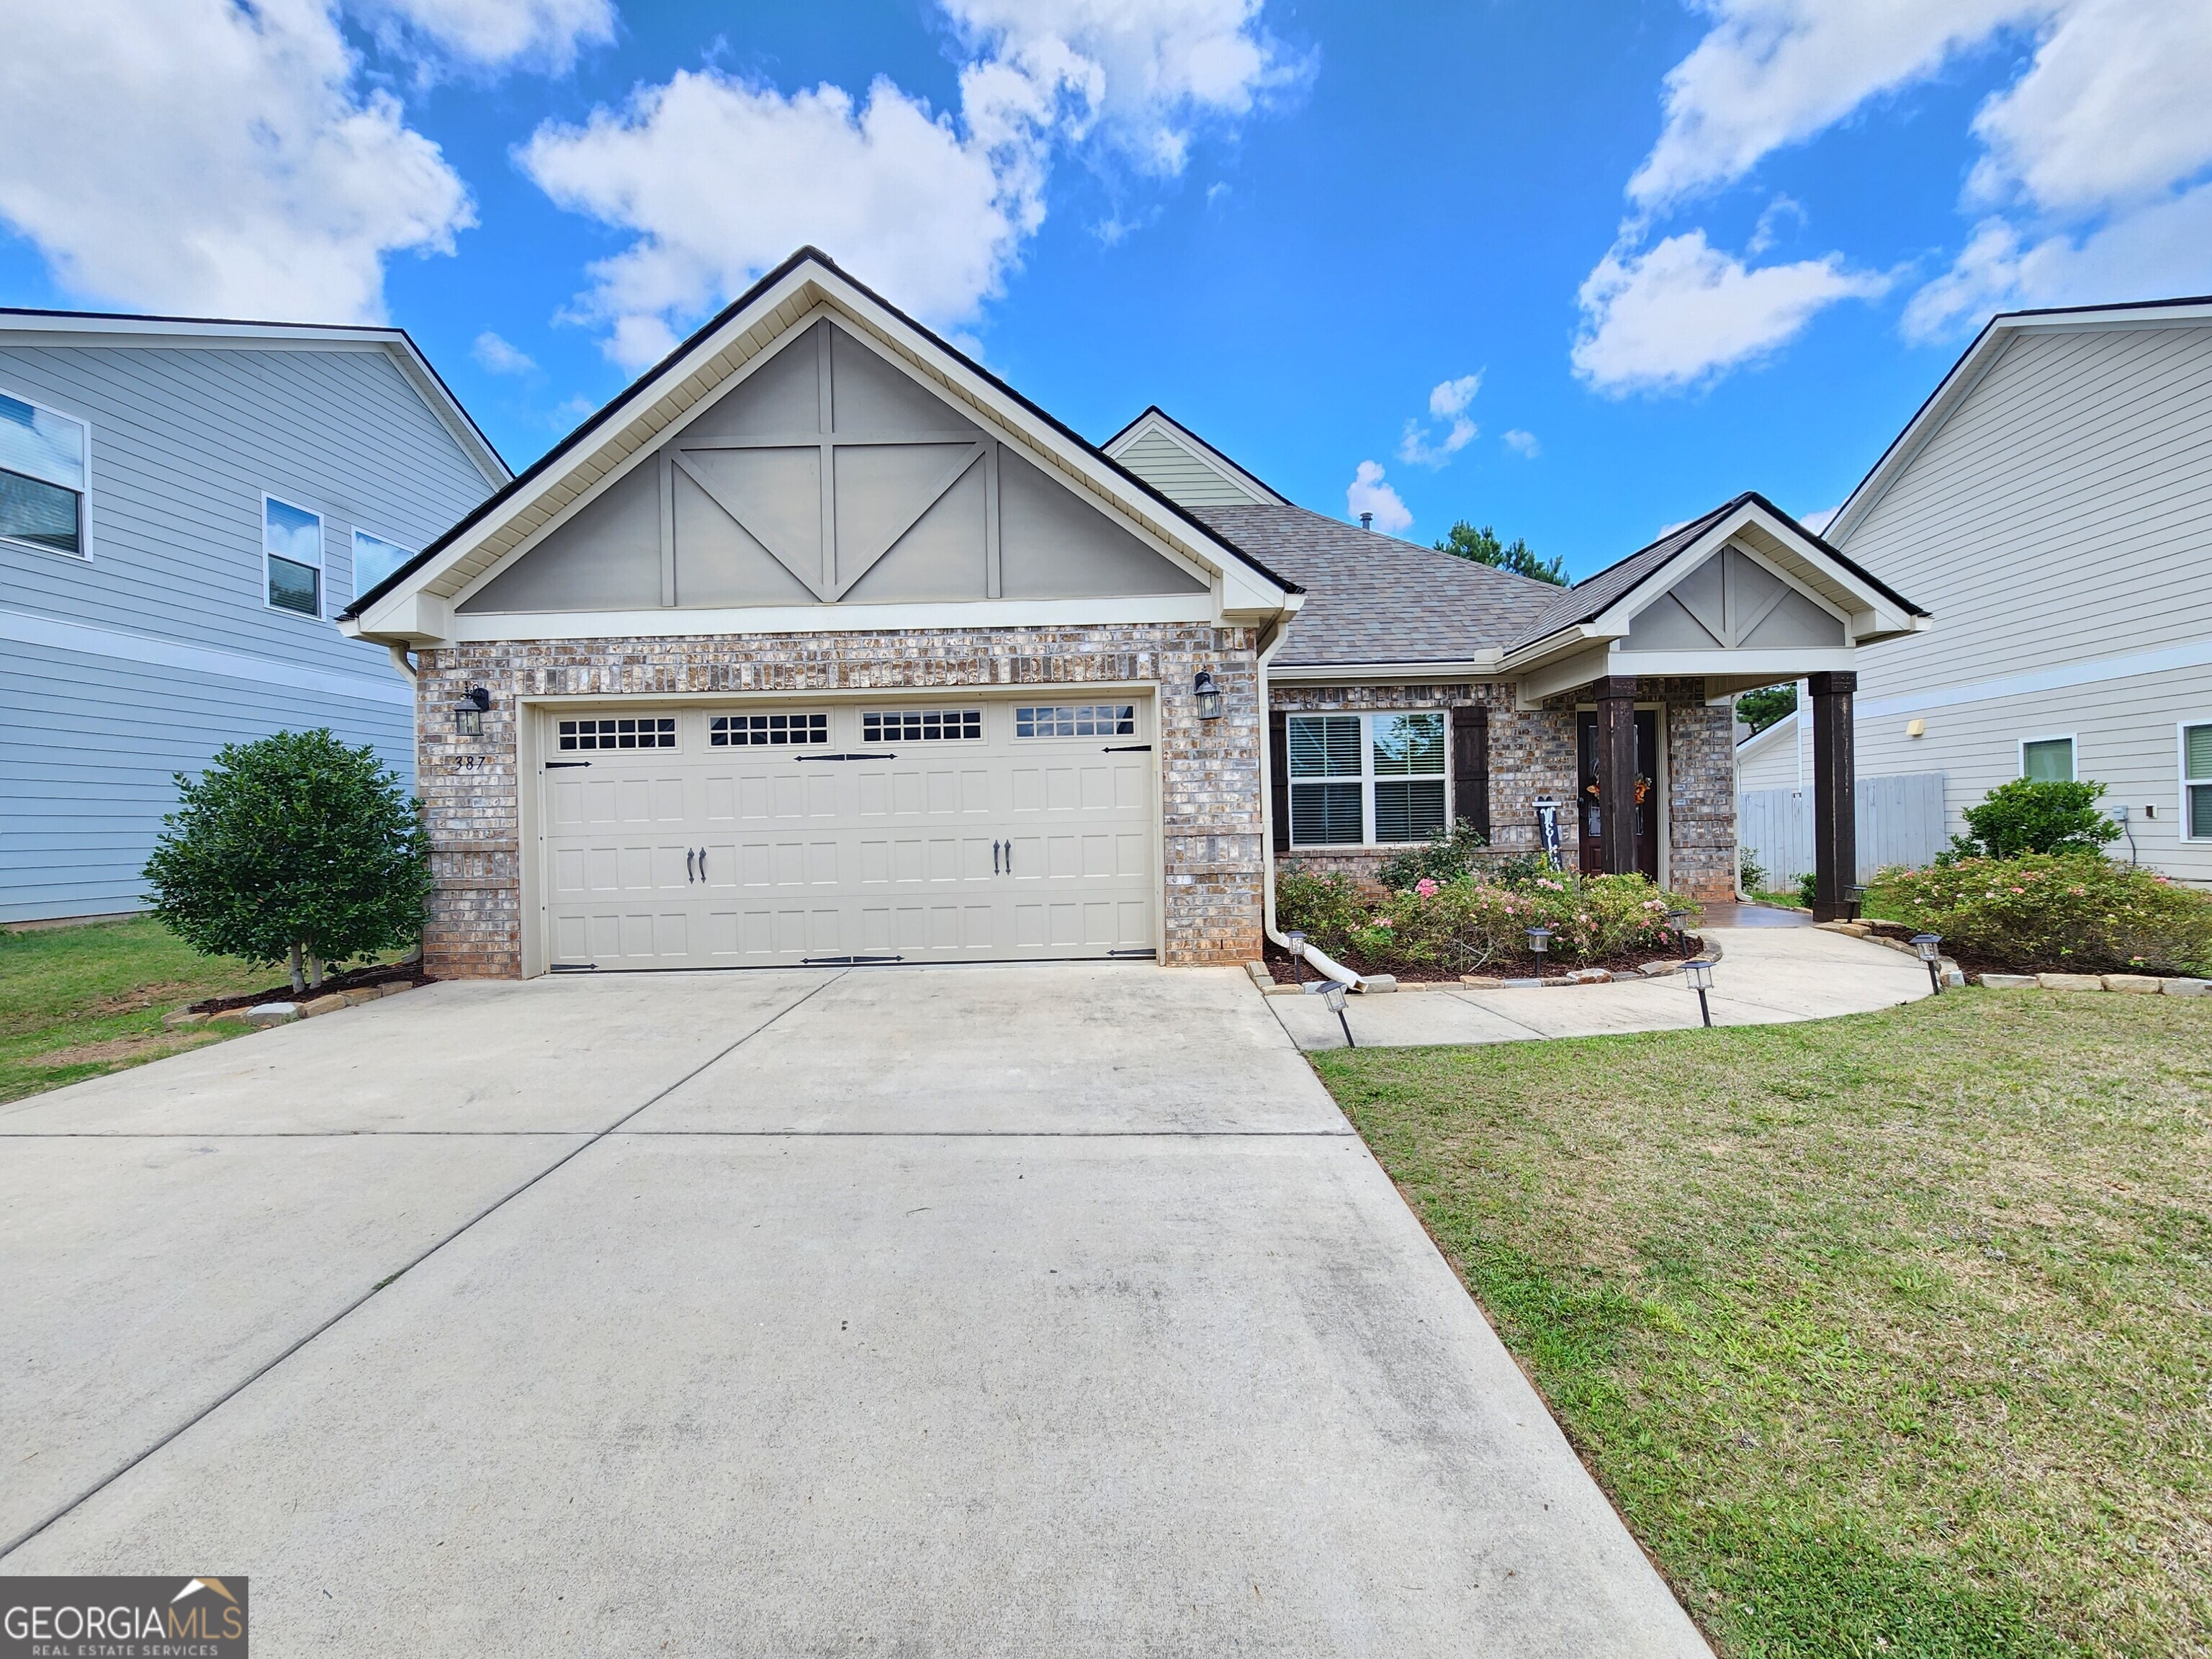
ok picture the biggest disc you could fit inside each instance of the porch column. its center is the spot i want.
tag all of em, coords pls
(1616, 772)
(1835, 814)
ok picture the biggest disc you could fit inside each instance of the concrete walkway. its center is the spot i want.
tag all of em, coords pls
(1766, 975)
(976, 1310)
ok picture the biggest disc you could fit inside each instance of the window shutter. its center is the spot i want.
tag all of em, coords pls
(1470, 734)
(1279, 776)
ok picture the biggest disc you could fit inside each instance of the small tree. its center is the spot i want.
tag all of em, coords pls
(2028, 815)
(1483, 547)
(295, 849)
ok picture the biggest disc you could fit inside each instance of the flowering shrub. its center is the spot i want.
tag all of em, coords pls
(1445, 856)
(2056, 910)
(1470, 923)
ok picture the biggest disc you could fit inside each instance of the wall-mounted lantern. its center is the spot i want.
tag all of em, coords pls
(1208, 695)
(469, 712)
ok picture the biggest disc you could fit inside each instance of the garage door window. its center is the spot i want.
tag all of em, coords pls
(766, 730)
(924, 725)
(650, 733)
(1082, 720)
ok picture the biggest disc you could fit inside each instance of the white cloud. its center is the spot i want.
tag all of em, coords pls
(1448, 402)
(1523, 444)
(721, 178)
(1671, 317)
(1776, 72)
(495, 33)
(1368, 494)
(1817, 522)
(495, 355)
(194, 155)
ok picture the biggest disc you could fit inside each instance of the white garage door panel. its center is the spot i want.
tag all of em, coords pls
(979, 847)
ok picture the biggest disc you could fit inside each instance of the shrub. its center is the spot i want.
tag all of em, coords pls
(2026, 816)
(1808, 889)
(1445, 856)
(1473, 922)
(2077, 910)
(295, 849)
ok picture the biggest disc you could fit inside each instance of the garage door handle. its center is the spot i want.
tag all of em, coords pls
(1010, 856)
(688, 856)
(994, 858)
(702, 864)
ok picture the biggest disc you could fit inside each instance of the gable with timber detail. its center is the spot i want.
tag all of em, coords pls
(1733, 602)
(827, 476)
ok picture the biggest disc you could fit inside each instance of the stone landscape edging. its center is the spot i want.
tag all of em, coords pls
(264, 1014)
(1709, 951)
(2173, 985)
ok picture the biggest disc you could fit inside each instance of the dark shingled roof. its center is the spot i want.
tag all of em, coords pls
(1373, 599)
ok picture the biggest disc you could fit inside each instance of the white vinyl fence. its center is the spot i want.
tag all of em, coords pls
(1900, 821)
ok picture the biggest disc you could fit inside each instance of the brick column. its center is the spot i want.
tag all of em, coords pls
(1616, 772)
(1835, 813)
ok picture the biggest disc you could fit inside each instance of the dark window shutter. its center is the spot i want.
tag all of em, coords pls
(1470, 730)
(1279, 776)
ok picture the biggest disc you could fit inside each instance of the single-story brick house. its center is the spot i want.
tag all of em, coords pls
(820, 643)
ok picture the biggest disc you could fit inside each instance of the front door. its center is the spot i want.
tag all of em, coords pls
(1647, 793)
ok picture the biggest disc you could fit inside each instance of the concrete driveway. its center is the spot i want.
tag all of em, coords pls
(986, 1310)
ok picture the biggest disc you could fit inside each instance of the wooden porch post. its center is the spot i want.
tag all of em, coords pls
(1616, 772)
(1835, 814)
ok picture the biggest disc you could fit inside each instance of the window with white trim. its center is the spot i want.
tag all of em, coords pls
(2197, 780)
(1083, 719)
(923, 725)
(766, 730)
(2047, 760)
(44, 456)
(1366, 780)
(292, 554)
(374, 559)
(649, 733)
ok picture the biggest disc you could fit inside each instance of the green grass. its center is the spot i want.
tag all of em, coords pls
(1889, 1335)
(75, 1002)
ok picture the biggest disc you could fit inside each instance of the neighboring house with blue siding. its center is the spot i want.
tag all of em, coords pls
(185, 506)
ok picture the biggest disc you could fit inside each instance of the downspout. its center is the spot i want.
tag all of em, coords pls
(402, 661)
(1327, 968)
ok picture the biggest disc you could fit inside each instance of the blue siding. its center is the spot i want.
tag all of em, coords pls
(184, 440)
(90, 749)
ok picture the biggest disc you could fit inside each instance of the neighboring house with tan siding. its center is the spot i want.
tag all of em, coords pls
(2051, 503)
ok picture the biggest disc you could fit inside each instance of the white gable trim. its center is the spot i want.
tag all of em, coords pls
(66, 328)
(642, 417)
(1152, 421)
(1973, 366)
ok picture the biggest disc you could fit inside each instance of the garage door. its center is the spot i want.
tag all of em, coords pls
(947, 832)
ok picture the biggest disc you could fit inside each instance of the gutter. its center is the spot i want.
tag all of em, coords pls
(1327, 968)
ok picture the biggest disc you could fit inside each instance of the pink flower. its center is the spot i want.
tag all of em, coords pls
(1426, 888)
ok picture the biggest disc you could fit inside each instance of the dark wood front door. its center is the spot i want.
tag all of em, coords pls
(1647, 790)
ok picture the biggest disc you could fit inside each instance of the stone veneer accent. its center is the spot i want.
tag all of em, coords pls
(1532, 753)
(1210, 770)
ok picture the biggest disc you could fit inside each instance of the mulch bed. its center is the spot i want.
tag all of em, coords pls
(1285, 972)
(357, 979)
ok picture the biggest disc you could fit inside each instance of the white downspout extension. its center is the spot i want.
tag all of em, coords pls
(1327, 968)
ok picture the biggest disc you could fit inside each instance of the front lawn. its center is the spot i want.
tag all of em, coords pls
(1889, 1335)
(78, 1001)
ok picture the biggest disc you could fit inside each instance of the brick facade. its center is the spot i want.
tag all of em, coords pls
(1211, 774)
(1532, 753)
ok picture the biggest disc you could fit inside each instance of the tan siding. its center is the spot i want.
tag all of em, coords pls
(2062, 513)
(1181, 477)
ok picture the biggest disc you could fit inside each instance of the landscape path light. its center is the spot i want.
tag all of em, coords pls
(1700, 975)
(1333, 994)
(1678, 923)
(1929, 946)
(1539, 940)
(1298, 955)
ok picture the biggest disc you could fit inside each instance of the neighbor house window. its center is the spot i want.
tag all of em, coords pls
(2047, 760)
(43, 457)
(292, 549)
(1366, 778)
(2197, 780)
(374, 559)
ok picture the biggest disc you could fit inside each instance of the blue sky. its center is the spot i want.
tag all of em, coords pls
(1614, 261)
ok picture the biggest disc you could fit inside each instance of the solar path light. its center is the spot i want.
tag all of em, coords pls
(1539, 940)
(1297, 955)
(1333, 994)
(1700, 975)
(1678, 923)
(1930, 945)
